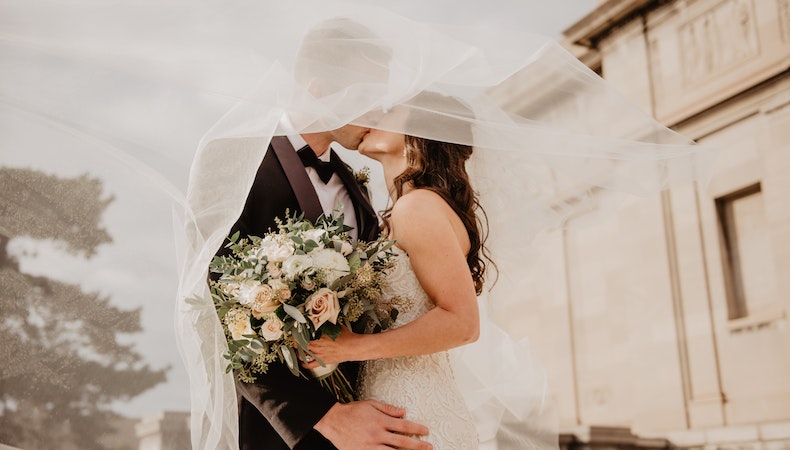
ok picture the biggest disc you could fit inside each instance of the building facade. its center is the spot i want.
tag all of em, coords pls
(670, 320)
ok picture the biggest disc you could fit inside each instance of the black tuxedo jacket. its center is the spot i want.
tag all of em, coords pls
(279, 410)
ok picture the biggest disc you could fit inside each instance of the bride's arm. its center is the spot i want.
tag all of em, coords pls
(422, 224)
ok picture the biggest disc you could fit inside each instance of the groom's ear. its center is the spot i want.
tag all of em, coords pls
(370, 119)
(315, 88)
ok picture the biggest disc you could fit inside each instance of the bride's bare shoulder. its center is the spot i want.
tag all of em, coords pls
(418, 201)
(422, 221)
(420, 206)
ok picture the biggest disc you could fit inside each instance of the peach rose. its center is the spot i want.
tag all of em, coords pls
(264, 302)
(272, 329)
(323, 306)
(274, 270)
(281, 289)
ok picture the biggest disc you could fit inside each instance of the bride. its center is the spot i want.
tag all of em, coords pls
(440, 270)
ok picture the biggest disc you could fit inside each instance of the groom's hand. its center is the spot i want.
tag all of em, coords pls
(369, 424)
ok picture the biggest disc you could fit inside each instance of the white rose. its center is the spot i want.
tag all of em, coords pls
(274, 250)
(248, 291)
(331, 263)
(323, 306)
(231, 289)
(265, 246)
(315, 235)
(272, 329)
(296, 264)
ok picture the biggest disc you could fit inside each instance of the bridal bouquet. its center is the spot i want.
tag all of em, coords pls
(278, 292)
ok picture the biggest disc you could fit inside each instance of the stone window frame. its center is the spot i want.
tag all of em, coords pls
(737, 304)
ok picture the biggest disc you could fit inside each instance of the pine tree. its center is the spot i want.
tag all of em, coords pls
(62, 363)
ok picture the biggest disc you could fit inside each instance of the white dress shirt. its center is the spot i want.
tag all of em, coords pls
(332, 195)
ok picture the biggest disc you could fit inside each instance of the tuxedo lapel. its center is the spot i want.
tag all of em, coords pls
(297, 178)
(367, 222)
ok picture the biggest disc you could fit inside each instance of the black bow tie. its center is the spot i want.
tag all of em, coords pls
(324, 169)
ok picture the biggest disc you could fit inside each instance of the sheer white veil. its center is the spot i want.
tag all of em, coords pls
(198, 88)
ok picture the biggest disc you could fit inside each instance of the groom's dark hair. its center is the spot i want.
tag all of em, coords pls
(340, 52)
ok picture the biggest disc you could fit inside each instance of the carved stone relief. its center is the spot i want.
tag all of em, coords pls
(656, 70)
(783, 10)
(723, 36)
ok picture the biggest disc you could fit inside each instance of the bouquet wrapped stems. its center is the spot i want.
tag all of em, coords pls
(334, 380)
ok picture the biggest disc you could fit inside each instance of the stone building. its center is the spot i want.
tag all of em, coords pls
(670, 320)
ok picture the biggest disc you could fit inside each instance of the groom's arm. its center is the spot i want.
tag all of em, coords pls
(371, 424)
(296, 408)
(292, 405)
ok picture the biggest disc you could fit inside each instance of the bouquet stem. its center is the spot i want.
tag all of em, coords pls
(334, 382)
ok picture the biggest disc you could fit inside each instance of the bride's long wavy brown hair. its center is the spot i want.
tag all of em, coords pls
(441, 167)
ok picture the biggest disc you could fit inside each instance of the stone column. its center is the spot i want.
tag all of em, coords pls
(165, 430)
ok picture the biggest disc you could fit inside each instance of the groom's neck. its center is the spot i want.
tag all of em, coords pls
(319, 142)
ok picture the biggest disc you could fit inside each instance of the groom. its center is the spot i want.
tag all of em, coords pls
(281, 411)
(300, 173)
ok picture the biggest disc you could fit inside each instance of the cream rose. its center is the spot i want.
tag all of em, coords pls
(238, 324)
(272, 329)
(273, 269)
(264, 302)
(323, 306)
(308, 283)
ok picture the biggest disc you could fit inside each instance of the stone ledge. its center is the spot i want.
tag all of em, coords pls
(7, 447)
(764, 436)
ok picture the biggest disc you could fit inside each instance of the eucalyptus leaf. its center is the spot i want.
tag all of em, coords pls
(194, 301)
(340, 282)
(294, 313)
(290, 359)
(354, 261)
(301, 339)
(330, 329)
(246, 355)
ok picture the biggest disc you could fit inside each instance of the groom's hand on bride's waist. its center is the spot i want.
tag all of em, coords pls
(369, 424)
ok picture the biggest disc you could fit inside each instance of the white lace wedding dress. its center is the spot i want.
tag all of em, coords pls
(424, 385)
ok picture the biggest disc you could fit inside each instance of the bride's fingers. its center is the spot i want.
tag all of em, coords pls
(310, 365)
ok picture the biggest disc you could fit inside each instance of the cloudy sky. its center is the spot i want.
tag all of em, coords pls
(546, 17)
(138, 269)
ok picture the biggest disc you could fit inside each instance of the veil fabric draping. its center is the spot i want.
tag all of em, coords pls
(188, 95)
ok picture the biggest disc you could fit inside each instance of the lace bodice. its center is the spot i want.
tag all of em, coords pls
(424, 385)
